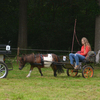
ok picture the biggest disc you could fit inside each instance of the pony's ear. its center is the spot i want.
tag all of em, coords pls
(19, 58)
(23, 57)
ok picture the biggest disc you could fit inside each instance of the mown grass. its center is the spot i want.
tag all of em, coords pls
(17, 87)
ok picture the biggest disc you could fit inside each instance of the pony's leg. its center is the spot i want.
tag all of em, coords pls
(30, 72)
(55, 70)
(40, 71)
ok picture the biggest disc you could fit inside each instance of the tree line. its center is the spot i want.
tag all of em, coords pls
(47, 24)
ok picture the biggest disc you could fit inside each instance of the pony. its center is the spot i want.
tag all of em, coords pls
(41, 61)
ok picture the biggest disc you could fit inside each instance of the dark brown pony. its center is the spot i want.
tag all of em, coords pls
(41, 61)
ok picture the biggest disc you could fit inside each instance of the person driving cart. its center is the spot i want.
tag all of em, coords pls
(80, 55)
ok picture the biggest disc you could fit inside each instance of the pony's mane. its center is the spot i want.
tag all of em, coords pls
(27, 54)
(30, 55)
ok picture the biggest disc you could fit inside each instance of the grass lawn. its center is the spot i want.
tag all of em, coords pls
(17, 87)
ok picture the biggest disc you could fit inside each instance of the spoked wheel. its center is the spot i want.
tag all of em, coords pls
(3, 70)
(72, 72)
(87, 72)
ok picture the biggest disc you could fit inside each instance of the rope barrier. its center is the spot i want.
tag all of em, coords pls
(22, 49)
(41, 50)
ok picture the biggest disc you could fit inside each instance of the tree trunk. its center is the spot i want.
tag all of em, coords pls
(97, 32)
(22, 36)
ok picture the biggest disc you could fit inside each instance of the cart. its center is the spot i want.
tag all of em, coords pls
(86, 67)
(5, 66)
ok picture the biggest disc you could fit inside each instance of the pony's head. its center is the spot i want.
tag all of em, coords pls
(22, 62)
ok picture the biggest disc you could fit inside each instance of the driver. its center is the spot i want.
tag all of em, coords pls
(80, 55)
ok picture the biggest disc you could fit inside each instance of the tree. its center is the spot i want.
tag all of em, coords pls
(22, 36)
(97, 31)
(50, 23)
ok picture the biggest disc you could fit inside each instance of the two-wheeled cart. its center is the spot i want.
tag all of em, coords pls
(85, 67)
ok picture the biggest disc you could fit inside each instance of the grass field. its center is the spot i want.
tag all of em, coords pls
(17, 87)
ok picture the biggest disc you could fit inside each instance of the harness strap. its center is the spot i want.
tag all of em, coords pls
(54, 59)
(26, 59)
(42, 61)
(35, 58)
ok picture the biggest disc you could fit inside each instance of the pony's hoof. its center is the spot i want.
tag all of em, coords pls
(55, 75)
(27, 76)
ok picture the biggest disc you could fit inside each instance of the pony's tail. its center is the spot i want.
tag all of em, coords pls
(59, 67)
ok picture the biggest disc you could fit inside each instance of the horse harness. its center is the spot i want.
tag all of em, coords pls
(42, 60)
(35, 62)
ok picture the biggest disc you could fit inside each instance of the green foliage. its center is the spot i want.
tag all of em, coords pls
(9, 21)
(50, 22)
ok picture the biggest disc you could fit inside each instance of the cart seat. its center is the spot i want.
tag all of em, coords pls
(91, 58)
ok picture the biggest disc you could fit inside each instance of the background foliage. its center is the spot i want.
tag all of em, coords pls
(50, 22)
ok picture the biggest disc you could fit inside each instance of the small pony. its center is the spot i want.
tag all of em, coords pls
(41, 61)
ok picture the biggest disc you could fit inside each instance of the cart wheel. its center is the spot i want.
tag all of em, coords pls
(72, 72)
(3, 70)
(87, 72)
